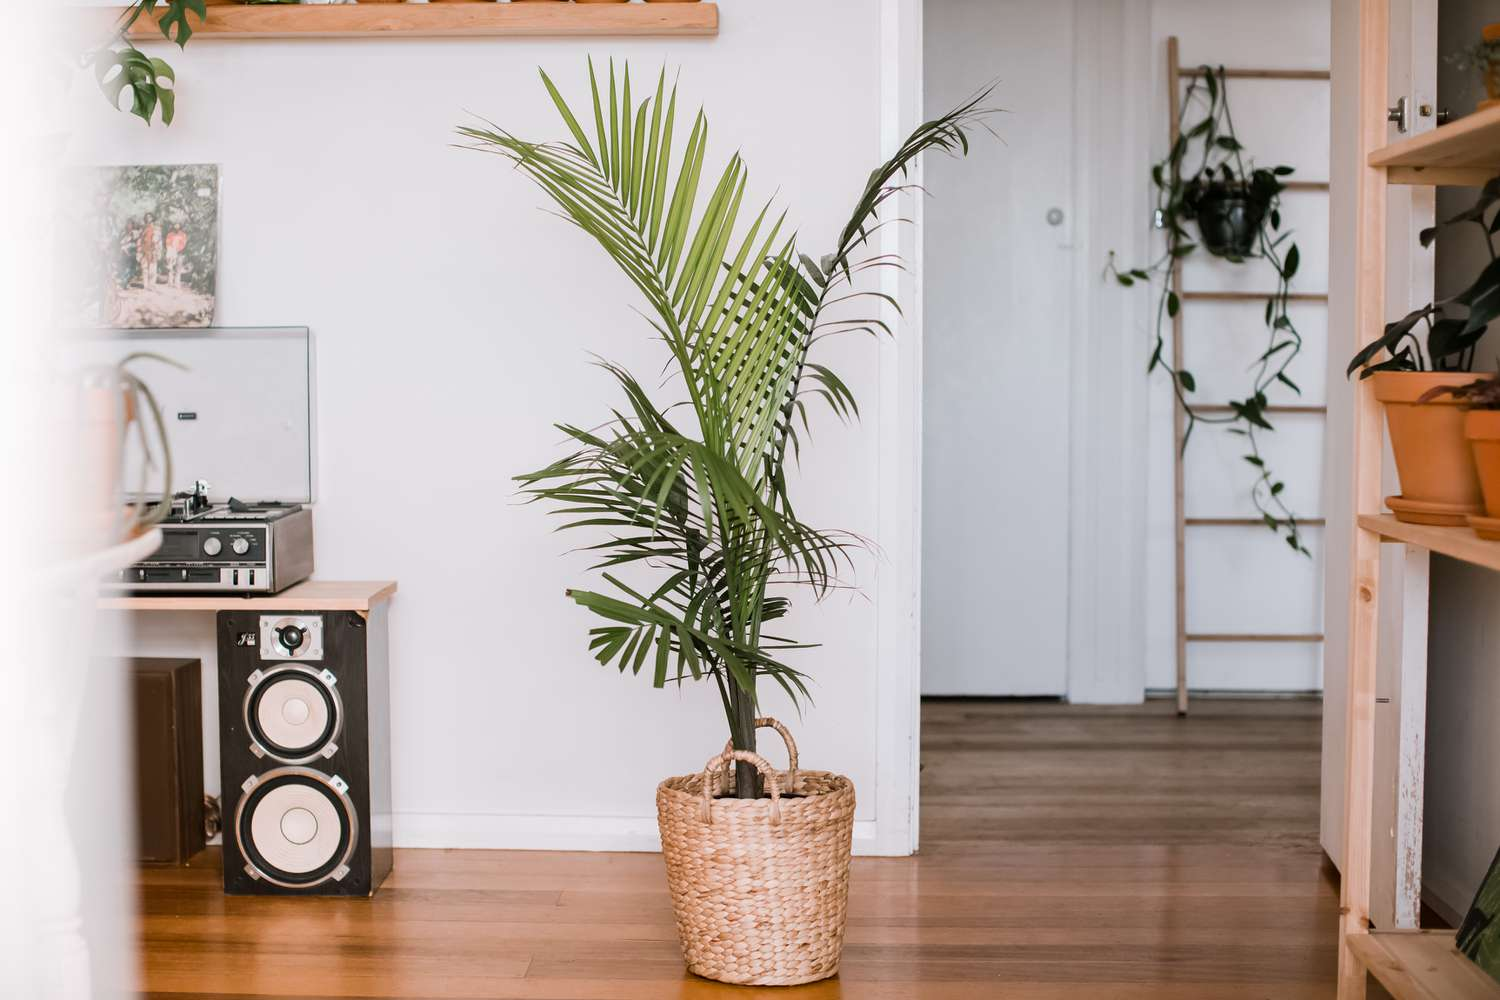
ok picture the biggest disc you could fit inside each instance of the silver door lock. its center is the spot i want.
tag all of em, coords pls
(1054, 216)
(1397, 115)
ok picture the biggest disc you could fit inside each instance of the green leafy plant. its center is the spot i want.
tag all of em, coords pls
(700, 502)
(1237, 207)
(119, 64)
(1453, 325)
(1481, 394)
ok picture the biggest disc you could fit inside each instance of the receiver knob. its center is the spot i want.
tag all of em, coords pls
(240, 546)
(212, 546)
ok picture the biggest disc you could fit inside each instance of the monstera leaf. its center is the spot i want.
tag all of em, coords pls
(150, 81)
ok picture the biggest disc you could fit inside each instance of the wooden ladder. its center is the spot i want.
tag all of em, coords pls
(1181, 522)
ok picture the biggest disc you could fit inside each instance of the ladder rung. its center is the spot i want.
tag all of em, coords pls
(1225, 408)
(1249, 296)
(1253, 637)
(1262, 74)
(1235, 522)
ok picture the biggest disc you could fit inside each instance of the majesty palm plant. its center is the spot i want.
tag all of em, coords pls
(703, 502)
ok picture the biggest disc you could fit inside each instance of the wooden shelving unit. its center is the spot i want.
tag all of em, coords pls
(437, 20)
(1422, 965)
(1410, 964)
(1456, 543)
(1465, 152)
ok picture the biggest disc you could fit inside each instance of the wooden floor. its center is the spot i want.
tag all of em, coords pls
(1067, 852)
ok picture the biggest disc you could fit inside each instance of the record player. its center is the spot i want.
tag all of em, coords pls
(234, 547)
(239, 415)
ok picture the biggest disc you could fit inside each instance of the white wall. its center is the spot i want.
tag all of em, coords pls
(1241, 579)
(454, 323)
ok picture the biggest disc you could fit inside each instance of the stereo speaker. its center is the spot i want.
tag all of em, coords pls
(168, 760)
(304, 752)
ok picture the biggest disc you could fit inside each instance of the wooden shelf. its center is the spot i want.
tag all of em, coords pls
(1245, 522)
(1465, 152)
(1250, 296)
(312, 595)
(1253, 637)
(1456, 543)
(418, 20)
(1262, 74)
(1422, 965)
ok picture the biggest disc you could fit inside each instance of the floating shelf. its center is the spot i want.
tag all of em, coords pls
(1465, 153)
(237, 20)
(1456, 543)
(1250, 296)
(1253, 637)
(1422, 965)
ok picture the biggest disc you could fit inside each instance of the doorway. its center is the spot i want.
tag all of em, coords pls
(998, 267)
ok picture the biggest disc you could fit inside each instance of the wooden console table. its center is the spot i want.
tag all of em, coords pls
(354, 763)
(310, 595)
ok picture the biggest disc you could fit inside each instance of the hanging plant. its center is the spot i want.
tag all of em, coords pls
(1237, 209)
(119, 64)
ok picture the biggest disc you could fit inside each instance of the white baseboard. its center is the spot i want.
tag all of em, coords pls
(500, 831)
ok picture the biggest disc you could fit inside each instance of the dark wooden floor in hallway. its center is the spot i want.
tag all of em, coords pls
(1068, 852)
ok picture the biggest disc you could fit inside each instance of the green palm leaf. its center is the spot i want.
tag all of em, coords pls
(703, 505)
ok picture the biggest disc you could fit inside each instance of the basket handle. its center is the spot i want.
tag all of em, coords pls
(766, 722)
(761, 764)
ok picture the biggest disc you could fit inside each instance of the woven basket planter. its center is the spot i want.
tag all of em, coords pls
(760, 887)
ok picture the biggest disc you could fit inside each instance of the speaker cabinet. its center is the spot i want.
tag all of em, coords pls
(304, 751)
(168, 759)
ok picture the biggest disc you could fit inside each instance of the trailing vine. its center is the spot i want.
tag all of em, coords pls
(1238, 211)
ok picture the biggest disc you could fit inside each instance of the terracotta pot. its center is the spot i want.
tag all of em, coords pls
(1482, 428)
(1492, 71)
(1436, 467)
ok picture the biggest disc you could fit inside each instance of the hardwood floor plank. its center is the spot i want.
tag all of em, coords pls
(1105, 852)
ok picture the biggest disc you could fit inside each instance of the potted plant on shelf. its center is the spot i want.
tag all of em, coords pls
(1481, 401)
(1483, 57)
(1426, 425)
(693, 494)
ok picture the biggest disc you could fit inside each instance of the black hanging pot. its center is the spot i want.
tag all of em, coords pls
(1229, 219)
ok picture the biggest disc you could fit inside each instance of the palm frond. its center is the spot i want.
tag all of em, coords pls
(702, 506)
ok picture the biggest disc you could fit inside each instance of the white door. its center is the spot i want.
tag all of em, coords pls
(996, 330)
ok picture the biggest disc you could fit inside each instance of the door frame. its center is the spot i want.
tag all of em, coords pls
(1108, 407)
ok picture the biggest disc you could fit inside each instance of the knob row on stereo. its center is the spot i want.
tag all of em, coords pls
(212, 546)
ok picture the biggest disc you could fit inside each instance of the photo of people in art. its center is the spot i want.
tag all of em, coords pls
(155, 240)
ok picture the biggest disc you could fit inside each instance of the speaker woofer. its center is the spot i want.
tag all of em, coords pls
(296, 827)
(293, 714)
